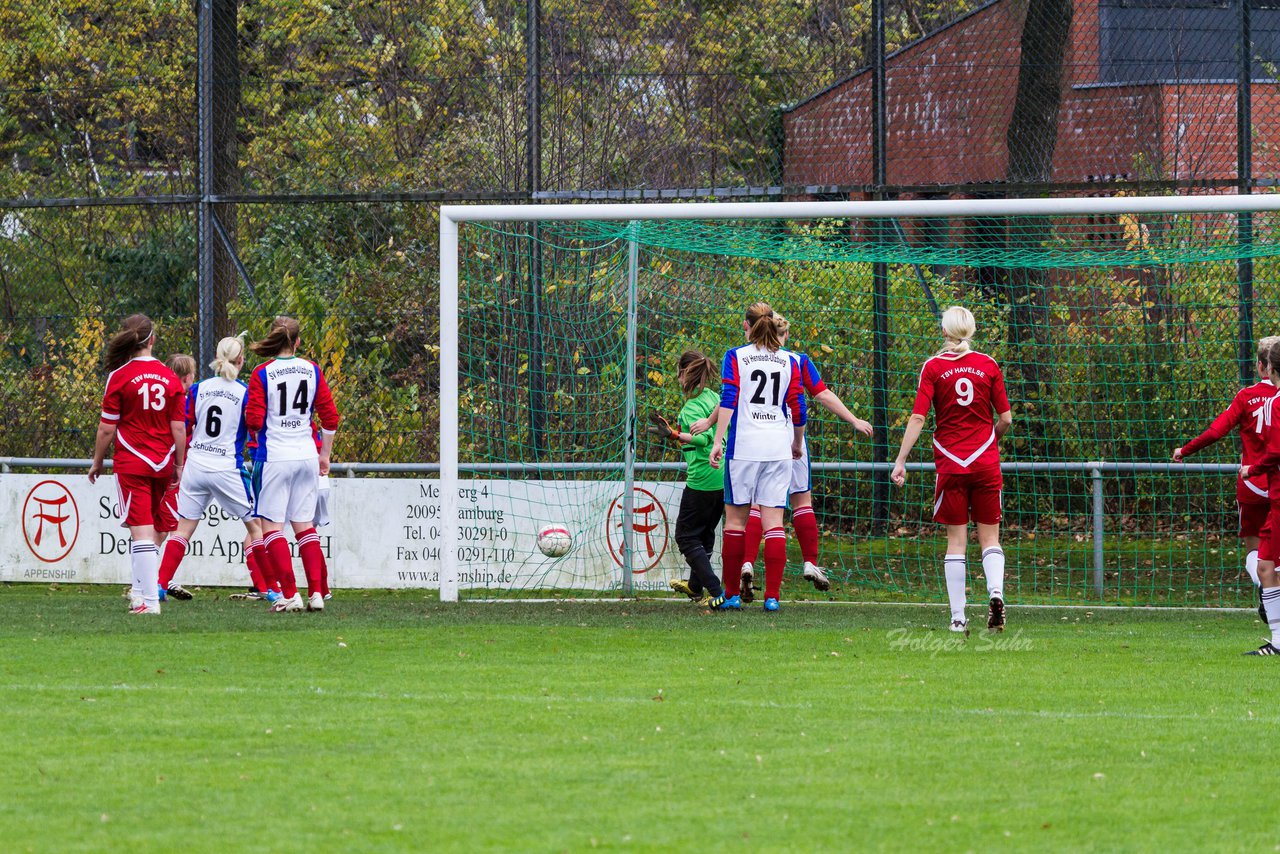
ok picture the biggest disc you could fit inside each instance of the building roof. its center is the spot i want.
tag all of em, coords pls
(888, 57)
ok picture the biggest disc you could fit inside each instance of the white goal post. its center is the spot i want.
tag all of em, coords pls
(452, 215)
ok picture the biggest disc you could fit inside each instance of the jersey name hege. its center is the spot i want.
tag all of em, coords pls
(283, 394)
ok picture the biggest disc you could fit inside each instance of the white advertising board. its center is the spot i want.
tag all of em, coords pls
(385, 533)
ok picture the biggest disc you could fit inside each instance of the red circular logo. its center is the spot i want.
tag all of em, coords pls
(50, 521)
(648, 530)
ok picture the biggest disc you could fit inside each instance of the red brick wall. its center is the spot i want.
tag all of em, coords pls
(940, 122)
(950, 98)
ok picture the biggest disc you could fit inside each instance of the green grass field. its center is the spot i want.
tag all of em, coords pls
(392, 722)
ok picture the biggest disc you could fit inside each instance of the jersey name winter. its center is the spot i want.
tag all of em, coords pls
(764, 391)
(215, 424)
(964, 391)
(142, 398)
(283, 394)
(1248, 413)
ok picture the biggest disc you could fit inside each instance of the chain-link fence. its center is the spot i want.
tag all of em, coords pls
(214, 163)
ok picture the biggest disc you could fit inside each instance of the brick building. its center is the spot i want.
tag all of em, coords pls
(1149, 92)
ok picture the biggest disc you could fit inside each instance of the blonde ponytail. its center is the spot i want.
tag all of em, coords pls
(959, 326)
(230, 351)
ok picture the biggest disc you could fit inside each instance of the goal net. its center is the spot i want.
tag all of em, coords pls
(1123, 326)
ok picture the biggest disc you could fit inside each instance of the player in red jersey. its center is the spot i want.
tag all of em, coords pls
(1269, 545)
(283, 394)
(1246, 414)
(964, 388)
(184, 368)
(142, 413)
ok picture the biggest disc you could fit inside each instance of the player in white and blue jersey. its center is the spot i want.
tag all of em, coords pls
(803, 520)
(216, 431)
(284, 394)
(762, 414)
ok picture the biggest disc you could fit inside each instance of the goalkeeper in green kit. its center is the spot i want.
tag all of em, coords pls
(702, 504)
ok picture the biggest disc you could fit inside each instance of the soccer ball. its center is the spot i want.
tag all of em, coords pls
(554, 540)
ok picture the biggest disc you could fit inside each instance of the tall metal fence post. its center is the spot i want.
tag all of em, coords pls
(533, 184)
(205, 331)
(1244, 186)
(879, 280)
(629, 453)
(1095, 475)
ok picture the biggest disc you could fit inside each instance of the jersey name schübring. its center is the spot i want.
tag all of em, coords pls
(142, 398)
(764, 391)
(283, 394)
(215, 424)
(1248, 413)
(964, 391)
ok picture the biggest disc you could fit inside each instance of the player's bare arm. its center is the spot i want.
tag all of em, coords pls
(179, 431)
(722, 426)
(831, 402)
(1004, 423)
(915, 424)
(106, 435)
(326, 451)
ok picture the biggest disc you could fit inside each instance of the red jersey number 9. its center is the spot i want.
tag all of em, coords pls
(964, 391)
(152, 396)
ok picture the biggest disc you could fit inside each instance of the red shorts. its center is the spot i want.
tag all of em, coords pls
(1253, 509)
(1269, 545)
(957, 498)
(141, 499)
(167, 514)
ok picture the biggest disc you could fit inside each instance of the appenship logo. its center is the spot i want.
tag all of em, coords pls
(50, 521)
(648, 529)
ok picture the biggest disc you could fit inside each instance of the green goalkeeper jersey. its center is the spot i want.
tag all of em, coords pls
(698, 452)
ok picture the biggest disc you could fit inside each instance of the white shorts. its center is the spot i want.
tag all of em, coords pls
(200, 488)
(287, 490)
(801, 476)
(751, 482)
(322, 503)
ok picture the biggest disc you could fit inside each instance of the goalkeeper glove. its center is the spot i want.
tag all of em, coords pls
(662, 428)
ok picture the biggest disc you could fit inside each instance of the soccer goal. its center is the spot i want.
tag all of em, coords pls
(1123, 325)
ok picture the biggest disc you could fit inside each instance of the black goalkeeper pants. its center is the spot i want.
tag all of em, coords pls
(700, 514)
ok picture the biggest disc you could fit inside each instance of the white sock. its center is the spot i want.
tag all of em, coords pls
(144, 558)
(954, 570)
(1271, 603)
(993, 569)
(1251, 566)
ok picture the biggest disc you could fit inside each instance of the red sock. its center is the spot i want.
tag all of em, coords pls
(751, 545)
(775, 561)
(265, 566)
(324, 575)
(312, 559)
(731, 555)
(805, 524)
(174, 550)
(277, 550)
(255, 571)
